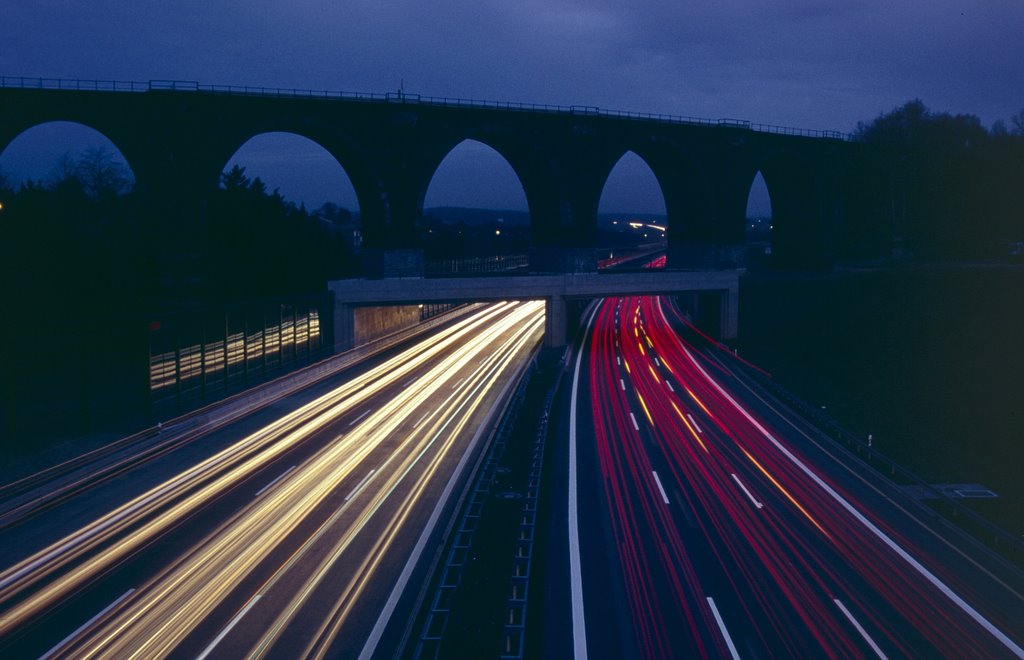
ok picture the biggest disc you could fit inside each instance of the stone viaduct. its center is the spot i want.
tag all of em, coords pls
(178, 137)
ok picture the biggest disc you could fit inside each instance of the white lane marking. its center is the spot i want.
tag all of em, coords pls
(974, 614)
(694, 422)
(279, 478)
(85, 625)
(745, 491)
(354, 421)
(623, 384)
(860, 629)
(635, 425)
(725, 633)
(875, 489)
(618, 360)
(407, 383)
(224, 633)
(458, 382)
(656, 362)
(421, 419)
(670, 388)
(579, 624)
(661, 488)
(360, 485)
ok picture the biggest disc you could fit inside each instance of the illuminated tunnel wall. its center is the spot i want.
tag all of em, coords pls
(200, 357)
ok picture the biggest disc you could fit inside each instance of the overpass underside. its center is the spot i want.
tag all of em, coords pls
(559, 291)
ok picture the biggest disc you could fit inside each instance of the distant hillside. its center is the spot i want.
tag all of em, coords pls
(455, 214)
(606, 219)
(473, 216)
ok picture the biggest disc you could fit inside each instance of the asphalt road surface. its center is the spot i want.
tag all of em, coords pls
(704, 523)
(286, 535)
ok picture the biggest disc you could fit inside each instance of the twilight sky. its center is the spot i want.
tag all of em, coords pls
(821, 64)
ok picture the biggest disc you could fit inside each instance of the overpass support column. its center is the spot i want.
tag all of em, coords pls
(556, 321)
(344, 327)
(730, 310)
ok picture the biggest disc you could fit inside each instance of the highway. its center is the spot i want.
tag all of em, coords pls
(705, 523)
(289, 537)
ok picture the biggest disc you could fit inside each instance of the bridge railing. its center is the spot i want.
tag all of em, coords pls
(804, 132)
(22, 82)
(453, 102)
(507, 264)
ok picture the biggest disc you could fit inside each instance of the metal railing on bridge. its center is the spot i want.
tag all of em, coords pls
(506, 263)
(22, 82)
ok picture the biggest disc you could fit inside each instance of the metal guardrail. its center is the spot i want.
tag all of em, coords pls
(23, 82)
(513, 637)
(458, 556)
(979, 527)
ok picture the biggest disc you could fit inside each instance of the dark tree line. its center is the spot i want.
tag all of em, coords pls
(261, 245)
(73, 280)
(73, 243)
(80, 265)
(932, 185)
(82, 238)
(458, 240)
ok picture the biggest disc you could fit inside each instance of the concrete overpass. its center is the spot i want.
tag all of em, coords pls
(557, 290)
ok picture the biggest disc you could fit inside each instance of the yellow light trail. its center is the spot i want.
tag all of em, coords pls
(786, 493)
(129, 527)
(331, 625)
(696, 400)
(693, 431)
(163, 612)
(468, 396)
(644, 406)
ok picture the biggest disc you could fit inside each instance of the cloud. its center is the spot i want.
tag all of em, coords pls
(810, 62)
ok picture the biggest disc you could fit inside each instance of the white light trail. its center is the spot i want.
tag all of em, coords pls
(169, 607)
